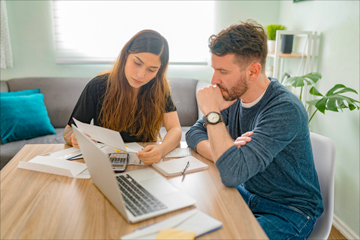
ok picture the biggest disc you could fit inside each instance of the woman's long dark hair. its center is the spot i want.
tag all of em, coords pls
(143, 117)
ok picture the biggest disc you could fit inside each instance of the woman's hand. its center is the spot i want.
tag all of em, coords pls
(245, 138)
(69, 137)
(150, 154)
(74, 141)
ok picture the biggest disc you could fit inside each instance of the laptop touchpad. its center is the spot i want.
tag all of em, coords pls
(158, 186)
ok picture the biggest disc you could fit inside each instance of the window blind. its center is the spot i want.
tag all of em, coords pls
(94, 32)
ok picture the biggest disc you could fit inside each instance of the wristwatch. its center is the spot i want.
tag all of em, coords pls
(213, 118)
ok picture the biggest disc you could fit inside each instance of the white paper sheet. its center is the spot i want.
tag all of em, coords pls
(134, 160)
(179, 152)
(84, 174)
(107, 136)
(67, 154)
(193, 220)
(75, 153)
(134, 146)
(52, 165)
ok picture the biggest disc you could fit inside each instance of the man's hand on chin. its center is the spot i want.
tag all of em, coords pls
(210, 99)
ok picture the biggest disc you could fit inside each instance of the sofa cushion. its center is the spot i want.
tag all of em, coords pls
(20, 93)
(60, 95)
(23, 117)
(9, 150)
(5, 93)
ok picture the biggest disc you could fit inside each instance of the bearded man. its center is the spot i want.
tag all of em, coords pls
(256, 132)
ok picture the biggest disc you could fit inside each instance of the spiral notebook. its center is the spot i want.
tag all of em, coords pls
(174, 167)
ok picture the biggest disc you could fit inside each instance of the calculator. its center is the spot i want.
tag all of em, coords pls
(119, 161)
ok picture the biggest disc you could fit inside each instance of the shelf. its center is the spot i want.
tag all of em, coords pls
(309, 48)
(286, 55)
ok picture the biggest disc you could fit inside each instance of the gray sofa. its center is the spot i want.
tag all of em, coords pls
(61, 94)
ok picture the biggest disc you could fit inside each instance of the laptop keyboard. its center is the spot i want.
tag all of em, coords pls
(137, 199)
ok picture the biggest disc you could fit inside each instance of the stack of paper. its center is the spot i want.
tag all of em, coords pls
(174, 167)
(56, 166)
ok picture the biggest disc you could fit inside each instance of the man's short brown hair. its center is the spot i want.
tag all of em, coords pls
(247, 40)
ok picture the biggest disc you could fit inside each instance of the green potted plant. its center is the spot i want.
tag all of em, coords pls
(333, 100)
(271, 32)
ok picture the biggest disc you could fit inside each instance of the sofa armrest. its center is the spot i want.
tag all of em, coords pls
(4, 86)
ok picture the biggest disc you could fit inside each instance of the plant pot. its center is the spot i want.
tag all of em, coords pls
(271, 45)
(287, 43)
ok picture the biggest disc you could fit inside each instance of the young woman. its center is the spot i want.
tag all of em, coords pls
(133, 98)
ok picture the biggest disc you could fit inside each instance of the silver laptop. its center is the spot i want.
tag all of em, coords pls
(137, 195)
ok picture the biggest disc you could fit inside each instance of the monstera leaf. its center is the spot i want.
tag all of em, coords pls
(333, 100)
(309, 79)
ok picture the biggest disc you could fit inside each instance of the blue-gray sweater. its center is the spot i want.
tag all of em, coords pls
(277, 164)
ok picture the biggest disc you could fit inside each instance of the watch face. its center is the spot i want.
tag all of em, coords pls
(213, 117)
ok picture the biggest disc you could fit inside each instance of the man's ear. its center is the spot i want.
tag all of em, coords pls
(254, 71)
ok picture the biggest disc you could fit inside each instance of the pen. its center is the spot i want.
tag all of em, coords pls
(74, 157)
(186, 166)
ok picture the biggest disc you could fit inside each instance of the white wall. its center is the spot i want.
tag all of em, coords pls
(338, 61)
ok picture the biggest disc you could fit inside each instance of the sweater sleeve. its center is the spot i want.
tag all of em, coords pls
(274, 129)
(196, 134)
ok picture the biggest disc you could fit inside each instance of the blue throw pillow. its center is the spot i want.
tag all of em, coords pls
(20, 93)
(23, 117)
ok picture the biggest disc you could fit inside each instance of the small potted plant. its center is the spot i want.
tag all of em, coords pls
(271, 32)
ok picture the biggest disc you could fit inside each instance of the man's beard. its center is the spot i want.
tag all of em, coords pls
(236, 91)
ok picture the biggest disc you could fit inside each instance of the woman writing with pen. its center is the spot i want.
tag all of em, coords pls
(133, 98)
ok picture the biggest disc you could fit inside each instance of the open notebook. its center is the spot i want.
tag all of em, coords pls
(174, 167)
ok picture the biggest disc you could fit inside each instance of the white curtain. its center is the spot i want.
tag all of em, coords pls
(6, 53)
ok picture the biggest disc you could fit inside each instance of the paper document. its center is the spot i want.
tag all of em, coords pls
(133, 159)
(52, 165)
(174, 167)
(134, 146)
(193, 220)
(107, 136)
(179, 152)
(75, 153)
(67, 154)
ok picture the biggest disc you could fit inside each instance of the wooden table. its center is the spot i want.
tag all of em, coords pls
(37, 205)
